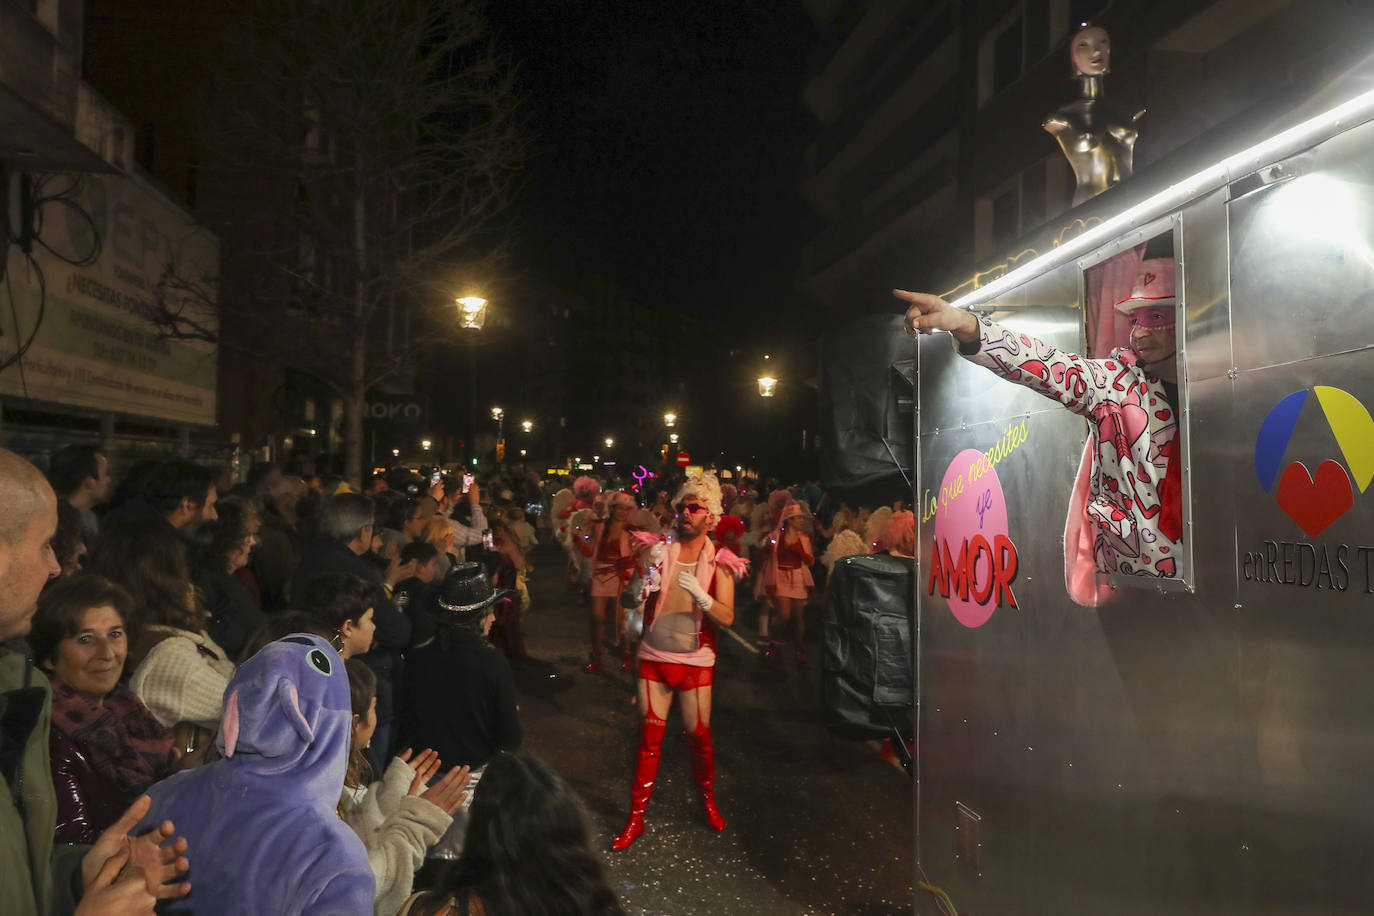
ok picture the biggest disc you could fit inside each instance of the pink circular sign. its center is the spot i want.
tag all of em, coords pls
(973, 559)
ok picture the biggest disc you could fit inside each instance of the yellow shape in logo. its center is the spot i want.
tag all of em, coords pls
(1354, 430)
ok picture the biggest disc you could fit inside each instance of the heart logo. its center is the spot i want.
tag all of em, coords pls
(1134, 421)
(1315, 501)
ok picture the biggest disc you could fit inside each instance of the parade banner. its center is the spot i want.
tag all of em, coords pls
(103, 252)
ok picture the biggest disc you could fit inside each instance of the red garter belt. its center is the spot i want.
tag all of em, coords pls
(678, 677)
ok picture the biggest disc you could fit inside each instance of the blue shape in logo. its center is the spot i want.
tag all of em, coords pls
(1273, 437)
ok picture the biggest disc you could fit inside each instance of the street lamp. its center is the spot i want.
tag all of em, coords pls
(669, 419)
(767, 385)
(499, 416)
(673, 438)
(609, 443)
(472, 315)
(472, 312)
(527, 425)
(425, 444)
(395, 453)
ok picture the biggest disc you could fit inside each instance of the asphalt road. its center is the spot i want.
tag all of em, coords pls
(814, 824)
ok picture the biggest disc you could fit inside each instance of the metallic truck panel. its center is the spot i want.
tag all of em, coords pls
(1181, 751)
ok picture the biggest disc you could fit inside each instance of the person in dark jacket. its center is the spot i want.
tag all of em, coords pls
(458, 692)
(106, 747)
(346, 526)
(281, 542)
(224, 548)
(179, 491)
(412, 594)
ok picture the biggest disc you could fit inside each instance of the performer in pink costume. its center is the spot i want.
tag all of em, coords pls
(607, 542)
(677, 655)
(585, 491)
(789, 581)
(763, 559)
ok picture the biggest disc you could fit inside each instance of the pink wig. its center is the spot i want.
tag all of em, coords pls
(899, 534)
(586, 488)
(777, 500)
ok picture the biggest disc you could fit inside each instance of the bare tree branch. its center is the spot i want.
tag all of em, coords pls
(375, 144)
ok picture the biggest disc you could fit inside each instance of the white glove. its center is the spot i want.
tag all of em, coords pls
(689, 584)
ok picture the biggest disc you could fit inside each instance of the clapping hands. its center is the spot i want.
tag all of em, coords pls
(448, 792)
(122, 874)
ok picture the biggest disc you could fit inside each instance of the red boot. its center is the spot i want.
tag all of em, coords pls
(704, 768)
(593, 659)
(646, 772)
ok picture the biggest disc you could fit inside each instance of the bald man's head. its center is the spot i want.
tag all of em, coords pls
(28, 520)
(24, 492)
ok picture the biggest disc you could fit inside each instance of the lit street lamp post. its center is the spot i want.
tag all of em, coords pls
(669, 420)
(472, 313)
(767, 389)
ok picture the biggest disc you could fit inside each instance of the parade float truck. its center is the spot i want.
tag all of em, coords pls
(1202, 740)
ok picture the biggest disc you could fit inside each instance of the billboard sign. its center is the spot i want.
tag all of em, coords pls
(104, 252)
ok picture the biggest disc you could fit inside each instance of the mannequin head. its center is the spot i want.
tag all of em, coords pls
(1090, 51)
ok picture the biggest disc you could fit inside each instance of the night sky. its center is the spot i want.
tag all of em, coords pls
(668, 140)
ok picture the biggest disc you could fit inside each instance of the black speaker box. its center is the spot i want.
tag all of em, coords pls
(868, 661)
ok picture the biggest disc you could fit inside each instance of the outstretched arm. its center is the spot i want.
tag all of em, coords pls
(928, 313)
(1077, 383)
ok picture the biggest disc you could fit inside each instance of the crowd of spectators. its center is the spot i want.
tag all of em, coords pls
(143, 604)
(282, 650)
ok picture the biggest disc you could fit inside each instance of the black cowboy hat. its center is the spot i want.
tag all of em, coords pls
(465, 595)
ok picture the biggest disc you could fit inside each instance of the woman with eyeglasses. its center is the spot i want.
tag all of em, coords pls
(677, 655)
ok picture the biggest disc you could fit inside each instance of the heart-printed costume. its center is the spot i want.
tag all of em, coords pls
(1133, 440)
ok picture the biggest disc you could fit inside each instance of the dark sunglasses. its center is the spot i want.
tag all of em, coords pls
(692, 509)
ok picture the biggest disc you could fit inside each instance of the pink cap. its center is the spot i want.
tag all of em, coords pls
(1152, 300)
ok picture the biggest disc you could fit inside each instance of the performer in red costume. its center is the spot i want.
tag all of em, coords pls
(677, 655)
(607, 542)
